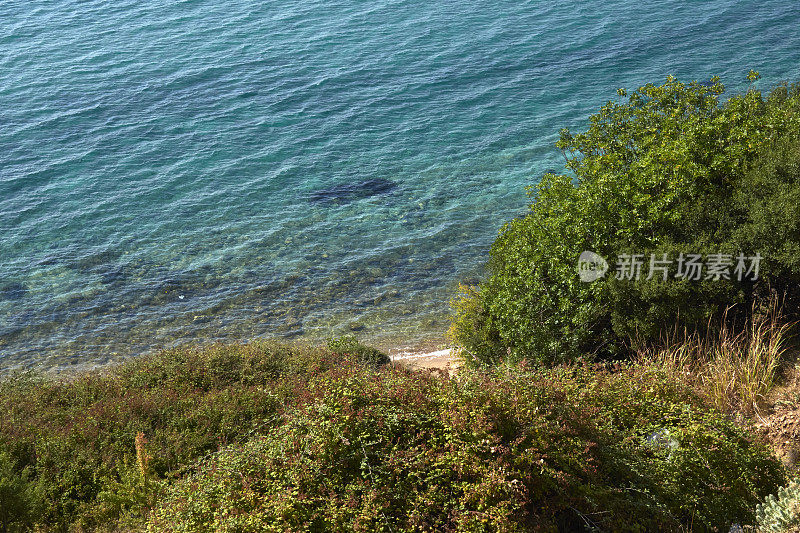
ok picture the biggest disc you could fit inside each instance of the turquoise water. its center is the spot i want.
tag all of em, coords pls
(224, 170)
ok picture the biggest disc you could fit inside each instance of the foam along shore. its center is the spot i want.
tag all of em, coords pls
(439, 359)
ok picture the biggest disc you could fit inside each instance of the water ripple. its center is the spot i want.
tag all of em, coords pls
(157, 159)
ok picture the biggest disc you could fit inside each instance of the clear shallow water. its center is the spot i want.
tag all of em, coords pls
(188, 170)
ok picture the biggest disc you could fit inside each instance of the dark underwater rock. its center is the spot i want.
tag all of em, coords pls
(340, 194)
(13, 291)
(114, 276)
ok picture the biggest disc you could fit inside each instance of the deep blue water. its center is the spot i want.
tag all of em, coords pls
(224, 170)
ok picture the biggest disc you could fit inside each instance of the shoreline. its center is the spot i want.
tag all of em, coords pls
(426, 350)
(436, 360)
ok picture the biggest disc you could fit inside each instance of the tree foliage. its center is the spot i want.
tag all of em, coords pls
(671, 169)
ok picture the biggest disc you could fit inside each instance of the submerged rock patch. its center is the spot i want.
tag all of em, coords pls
(13, 291)
(345, 193)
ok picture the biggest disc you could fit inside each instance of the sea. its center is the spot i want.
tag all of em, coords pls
(202, 171)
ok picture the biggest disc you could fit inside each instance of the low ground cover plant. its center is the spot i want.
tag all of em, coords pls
(565, 449)
(69, 457)
(780, 513)
(286, 438)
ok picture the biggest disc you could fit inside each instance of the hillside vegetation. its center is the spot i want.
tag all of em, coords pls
(288, 438)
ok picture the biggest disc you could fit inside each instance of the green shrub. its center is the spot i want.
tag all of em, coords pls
(271, 437)
(349, 346)
(567, 448)
(74, 439)
(20, 499)
(671, 170)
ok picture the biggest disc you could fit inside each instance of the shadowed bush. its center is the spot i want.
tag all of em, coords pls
(349, 346)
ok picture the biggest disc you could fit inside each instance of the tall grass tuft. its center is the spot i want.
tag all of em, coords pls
(734, 368)
(142, 459)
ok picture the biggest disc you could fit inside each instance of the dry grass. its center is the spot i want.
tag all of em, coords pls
(734, 369)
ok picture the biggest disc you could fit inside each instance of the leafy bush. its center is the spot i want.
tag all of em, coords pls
(273, 437)
(349, 346)
(19, 498)
(780, 514)
(72, 442)
(566, 448)
(671, 170)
